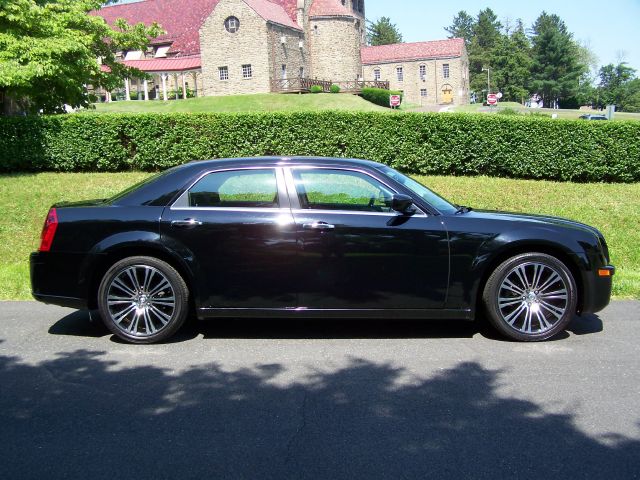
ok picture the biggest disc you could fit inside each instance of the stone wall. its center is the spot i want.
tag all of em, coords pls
(434, 82)
(334, 48)
(288, 53)
(248, 46)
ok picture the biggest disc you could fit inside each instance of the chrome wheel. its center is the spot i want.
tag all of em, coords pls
(141, 300)
(533, 297)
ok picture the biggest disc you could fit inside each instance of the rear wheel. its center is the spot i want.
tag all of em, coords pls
(143, 300)
(530, 297)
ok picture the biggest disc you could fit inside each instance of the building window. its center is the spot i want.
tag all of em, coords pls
(423, 92)
(301, 72)
(445, 70)
(315, 29)
(400, 74)
(284, 70)
(224, 73)
(376, 75)
(232, 24)
(247, 71)
(423, 72)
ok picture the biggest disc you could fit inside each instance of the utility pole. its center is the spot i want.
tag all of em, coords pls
(488, 69)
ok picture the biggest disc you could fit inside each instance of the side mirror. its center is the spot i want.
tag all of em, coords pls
(402, 203)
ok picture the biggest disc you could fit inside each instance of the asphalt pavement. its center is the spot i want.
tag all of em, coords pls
(318, 399)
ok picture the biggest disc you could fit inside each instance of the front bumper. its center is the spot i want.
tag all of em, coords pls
(597, 289)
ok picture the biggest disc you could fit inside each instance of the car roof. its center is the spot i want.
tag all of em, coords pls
(280, 161)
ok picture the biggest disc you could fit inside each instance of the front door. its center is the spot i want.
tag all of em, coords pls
(447, 94)
(235, 230)
(356, 253)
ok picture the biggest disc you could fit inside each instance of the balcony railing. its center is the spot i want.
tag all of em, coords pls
(301, 84)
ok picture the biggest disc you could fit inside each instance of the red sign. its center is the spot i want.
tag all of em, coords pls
(394, 100)
(492, 99)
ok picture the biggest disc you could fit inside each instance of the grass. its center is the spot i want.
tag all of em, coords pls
(245, 103)
(564, 114)
(613, 208)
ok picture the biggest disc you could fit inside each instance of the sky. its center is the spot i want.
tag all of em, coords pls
(611, 29)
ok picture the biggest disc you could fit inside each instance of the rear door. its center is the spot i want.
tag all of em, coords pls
(235, 229)
(355, 252)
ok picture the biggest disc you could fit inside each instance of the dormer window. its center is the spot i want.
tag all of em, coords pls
(232, 24)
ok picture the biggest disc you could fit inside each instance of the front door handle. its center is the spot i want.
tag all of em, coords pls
(187, 223)
(318, 226)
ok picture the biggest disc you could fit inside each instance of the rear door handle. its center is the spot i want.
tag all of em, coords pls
(318, 226)
(187, 223)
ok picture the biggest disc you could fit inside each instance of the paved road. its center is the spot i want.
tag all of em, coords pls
(312, 399)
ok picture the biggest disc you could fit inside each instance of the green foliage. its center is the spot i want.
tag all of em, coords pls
(618, 86)
(315, 89)
(48, 51)
(379, 96)
(453, 144)
(462, 27)
(383, 32)
(335, 88)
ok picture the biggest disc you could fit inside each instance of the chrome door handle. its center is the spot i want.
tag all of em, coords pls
(187, 223)
(318, 226)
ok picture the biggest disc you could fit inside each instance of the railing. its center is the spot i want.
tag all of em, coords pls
(301, 84)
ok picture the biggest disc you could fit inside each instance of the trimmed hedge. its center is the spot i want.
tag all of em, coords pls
(452, 144)
(379, 96)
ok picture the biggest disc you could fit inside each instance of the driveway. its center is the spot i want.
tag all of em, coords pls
(313, 399)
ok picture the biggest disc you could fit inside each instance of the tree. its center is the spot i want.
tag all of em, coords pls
(49, 51)
(383, 32)
(556, 67)
(462, 27)
(511, 62)
(486, 36)
(615, 86)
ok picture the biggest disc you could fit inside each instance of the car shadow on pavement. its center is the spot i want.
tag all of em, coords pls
(82, 324)
(83, 414)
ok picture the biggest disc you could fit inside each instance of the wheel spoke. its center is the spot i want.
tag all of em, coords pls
(509, 285)
(511, 318)
(163, 317)
(521, 273)
(131, 273)
(123, 313)
(158, 288)
(148, 323)
(557, 311)
(120, 285)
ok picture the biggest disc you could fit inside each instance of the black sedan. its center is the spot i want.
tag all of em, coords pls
(312, 237)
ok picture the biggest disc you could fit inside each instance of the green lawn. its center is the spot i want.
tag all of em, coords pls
(562, 113)
(613, 208)
(245, 103)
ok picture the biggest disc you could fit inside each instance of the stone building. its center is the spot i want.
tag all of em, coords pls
(228, 47)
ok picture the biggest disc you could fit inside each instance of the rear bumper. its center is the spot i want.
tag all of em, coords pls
(55, 279)
(597, 289)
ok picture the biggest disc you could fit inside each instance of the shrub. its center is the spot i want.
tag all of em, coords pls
(453, 144)
(315, 89)
(334, 88)
(379, 96)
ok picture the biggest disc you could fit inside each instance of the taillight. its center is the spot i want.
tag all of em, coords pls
(49, 230)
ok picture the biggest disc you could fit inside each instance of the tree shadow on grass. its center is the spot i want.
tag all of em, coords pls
(82, 415)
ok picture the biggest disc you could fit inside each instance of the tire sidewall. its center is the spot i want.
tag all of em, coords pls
(177, 283)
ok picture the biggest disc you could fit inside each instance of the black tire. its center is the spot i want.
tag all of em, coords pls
(543, 308)
(137, 306)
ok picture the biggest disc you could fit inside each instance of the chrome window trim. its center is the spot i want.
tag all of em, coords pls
(295, 201)
(283, 197)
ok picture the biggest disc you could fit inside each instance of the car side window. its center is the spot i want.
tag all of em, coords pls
(236, 188)
(329, 189)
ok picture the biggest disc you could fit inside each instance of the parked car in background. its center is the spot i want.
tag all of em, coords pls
(312, 237)
(593, 116)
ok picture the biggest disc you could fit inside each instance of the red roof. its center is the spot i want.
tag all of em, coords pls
(176, 64)
(290, 7)
(412, 51)
(181, 19)
(272, 12)
(326, 8)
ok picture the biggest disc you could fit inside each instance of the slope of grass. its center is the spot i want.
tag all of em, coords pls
(613, 208)
(245, 103)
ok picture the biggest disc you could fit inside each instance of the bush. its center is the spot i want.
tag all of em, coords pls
(379, 96)
(316, 89)
(334, 88)
(453, 144)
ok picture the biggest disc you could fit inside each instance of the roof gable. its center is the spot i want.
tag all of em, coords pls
(413, 51)
(272, 12)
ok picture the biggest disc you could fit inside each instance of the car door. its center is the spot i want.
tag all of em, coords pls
(235, 230)
(355, 252)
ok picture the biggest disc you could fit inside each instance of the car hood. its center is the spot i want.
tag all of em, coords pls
(543, 220)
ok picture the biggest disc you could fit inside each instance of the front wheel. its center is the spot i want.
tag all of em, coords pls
(143, 300)
(530, 297)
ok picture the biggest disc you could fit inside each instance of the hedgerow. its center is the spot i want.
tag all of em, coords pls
(451, 144)
(379, 96)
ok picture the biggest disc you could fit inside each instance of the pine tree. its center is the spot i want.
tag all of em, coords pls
(462, 27)
(511, 61)
(383, 32)
(486, 36)
(557, 68)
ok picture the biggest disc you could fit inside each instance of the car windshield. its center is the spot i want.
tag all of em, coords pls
(423, 192)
